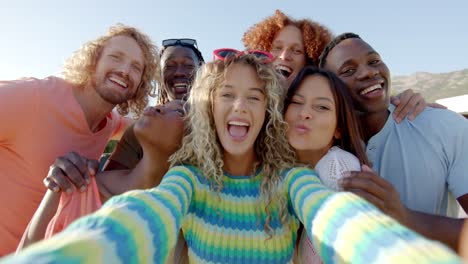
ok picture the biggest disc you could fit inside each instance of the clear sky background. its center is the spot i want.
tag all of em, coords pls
(37, 36)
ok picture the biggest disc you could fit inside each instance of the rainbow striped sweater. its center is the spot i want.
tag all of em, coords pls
(228, 227)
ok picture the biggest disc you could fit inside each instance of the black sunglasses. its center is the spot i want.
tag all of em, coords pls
(177, 42)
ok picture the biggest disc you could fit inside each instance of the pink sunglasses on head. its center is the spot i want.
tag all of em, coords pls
(221, 54)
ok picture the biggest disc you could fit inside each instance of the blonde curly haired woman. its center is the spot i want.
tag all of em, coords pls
(234, 193)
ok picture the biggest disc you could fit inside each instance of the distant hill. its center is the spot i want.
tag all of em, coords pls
(433, 86)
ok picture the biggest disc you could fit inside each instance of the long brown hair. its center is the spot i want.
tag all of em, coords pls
(348, 123)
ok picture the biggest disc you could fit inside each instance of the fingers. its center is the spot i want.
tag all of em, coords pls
(376, 190)
(370, 198)
(57, 181)
(93, 167)
(368, 174)
(76, 168)
(364, 183)
(394, 100)
(69, 172)
(51, 185)
(415, 106)
(400, 101)
(410, 105)
(436, 105)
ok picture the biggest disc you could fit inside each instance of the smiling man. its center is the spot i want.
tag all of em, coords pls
(42, 119)
(421, 165)
(180, 60)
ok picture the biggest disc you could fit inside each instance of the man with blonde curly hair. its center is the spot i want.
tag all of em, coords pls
(234, 194)
(70, 115)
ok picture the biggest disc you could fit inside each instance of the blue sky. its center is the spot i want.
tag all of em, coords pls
(412, 36)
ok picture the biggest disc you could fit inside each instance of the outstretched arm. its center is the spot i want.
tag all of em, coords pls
(346, 228)
(136, 227)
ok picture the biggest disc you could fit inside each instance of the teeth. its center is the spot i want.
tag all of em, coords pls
(180, 85)
(237, 123)
(122, 83)
(370, 89)
(284, 68)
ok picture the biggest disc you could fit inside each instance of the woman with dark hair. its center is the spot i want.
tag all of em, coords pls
(235, 193)
(296, 43)
(325, 133)
(330, 94)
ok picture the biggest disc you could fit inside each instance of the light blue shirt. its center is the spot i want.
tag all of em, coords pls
(426, 159)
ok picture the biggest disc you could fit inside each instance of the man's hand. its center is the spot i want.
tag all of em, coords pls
(69, 172)
(436, 105)
(407, 104)
(368, 185)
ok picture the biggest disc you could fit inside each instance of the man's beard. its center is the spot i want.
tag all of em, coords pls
(108, 95)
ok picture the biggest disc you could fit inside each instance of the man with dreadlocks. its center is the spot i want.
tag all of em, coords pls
(420, 165)
(180, 60)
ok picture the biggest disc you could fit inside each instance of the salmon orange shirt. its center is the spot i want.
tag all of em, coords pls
(40, 120)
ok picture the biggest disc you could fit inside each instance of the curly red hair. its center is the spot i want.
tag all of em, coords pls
(315, 36)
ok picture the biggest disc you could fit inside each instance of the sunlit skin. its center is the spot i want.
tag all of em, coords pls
(159, 131)
(288, 49)
(119, 70)
(178, 65)
(368, 78)
(311, 118)
(167, 122)
(239, 113)
(147, 173)
(169, 117)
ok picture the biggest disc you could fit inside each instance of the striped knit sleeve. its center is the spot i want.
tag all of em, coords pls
(136, 227)
(347, 229)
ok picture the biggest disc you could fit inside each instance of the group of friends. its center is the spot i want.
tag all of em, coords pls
(288, 151)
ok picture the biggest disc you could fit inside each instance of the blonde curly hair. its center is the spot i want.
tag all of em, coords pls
(201, 146)
(80, 67)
